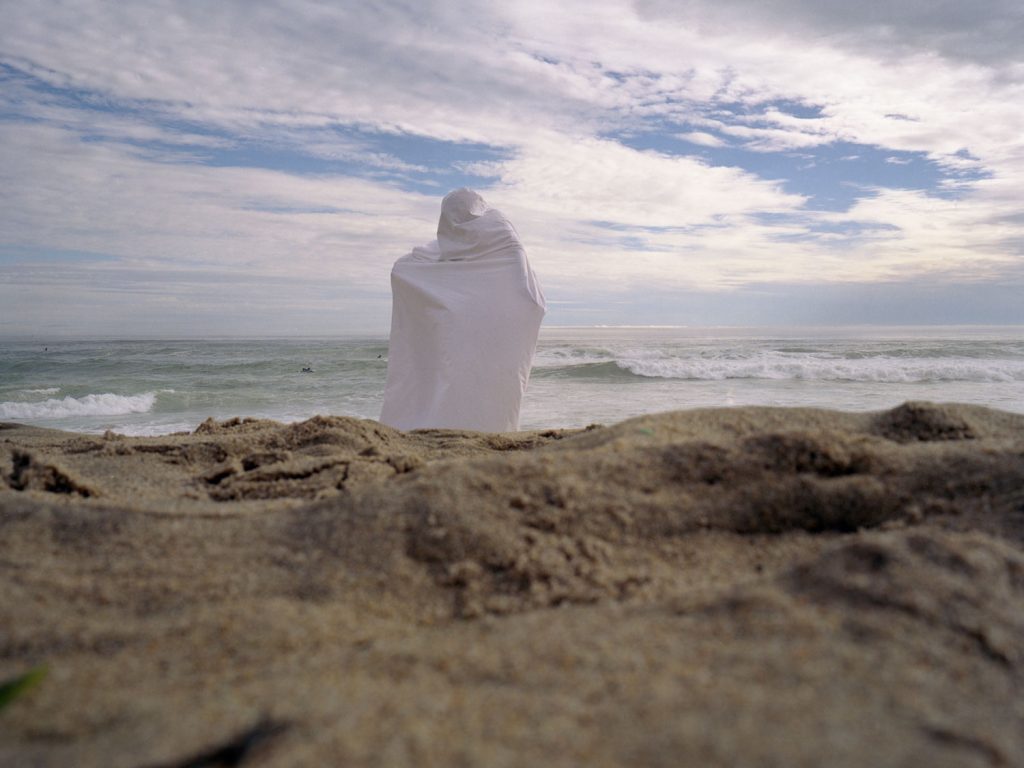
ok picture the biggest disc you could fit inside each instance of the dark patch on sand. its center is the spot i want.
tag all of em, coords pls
(30, 473)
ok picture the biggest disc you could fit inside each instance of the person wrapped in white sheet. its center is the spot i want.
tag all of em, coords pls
(466, 311)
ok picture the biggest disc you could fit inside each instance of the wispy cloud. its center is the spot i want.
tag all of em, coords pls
(695, 146)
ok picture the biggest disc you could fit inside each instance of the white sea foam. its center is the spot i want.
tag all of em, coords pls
(876, 369)
(106, 404)
(43, 391)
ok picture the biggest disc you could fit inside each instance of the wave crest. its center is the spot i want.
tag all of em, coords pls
(107, 404)
(879, 370)
(782, 367)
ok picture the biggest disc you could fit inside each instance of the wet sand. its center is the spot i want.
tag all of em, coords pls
(726, 587)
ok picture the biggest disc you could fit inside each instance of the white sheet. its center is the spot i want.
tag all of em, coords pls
(466, 311)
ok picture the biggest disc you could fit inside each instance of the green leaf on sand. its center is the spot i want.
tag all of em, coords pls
(12, 689)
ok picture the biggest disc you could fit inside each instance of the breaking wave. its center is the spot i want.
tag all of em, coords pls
(107, 404)
(780, 368)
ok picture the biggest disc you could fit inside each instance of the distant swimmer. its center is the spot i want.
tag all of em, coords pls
(307, 370)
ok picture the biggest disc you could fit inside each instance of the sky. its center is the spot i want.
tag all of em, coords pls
(254, 168)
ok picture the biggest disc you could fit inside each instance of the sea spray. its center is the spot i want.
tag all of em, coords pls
(106, 404)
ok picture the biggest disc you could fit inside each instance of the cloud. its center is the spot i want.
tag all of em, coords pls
(590, 179)
(59, 192)
(989, 32)
(703, 138)
(647, 144)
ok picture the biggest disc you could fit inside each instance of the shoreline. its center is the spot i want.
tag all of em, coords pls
(706, 587)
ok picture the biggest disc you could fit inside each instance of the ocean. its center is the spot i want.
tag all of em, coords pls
(581, 376)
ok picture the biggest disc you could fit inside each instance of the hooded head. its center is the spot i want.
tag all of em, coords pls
(461, 206)
(469, 227)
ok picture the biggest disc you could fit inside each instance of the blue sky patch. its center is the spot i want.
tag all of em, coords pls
(832, 176)
(413, 163)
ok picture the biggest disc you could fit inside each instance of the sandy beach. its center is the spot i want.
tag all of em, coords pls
(752, 586)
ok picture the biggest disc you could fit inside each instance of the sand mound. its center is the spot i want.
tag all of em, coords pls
(756, 586)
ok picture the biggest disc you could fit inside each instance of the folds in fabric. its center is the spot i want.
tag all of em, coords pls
(466, 311)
